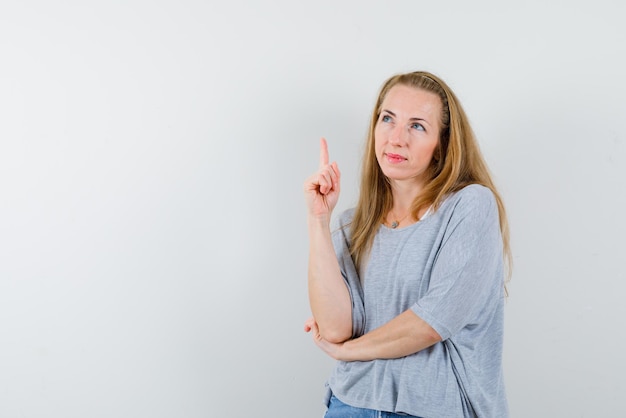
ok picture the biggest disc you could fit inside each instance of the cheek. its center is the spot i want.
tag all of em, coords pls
(428, 151)
(378, 149)
(377, 133)
(378, 140)
(433, 147)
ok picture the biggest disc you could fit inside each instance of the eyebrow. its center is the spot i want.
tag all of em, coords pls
(411, 119)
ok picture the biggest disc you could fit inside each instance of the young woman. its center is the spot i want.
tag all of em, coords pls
(408, 292)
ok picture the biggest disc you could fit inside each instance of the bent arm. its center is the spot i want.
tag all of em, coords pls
(404, 335)
(329, 297)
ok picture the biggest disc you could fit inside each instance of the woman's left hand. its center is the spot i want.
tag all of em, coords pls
(335, 351)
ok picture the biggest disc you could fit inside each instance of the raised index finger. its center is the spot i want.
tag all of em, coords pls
(323, 153)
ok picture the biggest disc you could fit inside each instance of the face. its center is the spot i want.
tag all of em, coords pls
(407, 133)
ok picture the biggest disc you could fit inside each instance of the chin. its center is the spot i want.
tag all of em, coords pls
(398, 178)
(392, 174)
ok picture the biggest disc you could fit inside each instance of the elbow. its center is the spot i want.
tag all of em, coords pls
(432, 336)
(336, 335)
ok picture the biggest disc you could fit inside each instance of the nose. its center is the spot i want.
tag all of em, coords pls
(398, 136)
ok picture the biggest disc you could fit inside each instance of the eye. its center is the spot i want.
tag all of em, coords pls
(418, 126)
(386, 118)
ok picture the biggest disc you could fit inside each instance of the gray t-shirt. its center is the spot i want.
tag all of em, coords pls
(447, 268)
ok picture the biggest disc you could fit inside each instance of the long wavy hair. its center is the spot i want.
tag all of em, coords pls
(456, 163)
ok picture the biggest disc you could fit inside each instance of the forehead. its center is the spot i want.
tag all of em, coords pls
(412, 101)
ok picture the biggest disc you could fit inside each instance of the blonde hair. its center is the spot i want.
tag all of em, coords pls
(457, 162)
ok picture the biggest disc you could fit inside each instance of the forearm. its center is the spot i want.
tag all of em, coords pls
(328, 294)
(404, 335)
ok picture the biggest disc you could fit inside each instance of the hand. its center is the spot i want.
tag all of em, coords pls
(333, 350)
(322, 188)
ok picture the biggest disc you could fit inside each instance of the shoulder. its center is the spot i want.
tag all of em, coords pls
(474, 196)
(474, 201)
(345, 217)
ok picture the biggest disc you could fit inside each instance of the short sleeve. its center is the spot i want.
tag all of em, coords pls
(467, 274)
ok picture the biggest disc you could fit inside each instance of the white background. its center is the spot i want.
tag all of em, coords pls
(152, 226)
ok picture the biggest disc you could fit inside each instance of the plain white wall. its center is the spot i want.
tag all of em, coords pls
(152, 233)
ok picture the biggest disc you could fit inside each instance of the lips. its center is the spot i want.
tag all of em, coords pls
(395, 158)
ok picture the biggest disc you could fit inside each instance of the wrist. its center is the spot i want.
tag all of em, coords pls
(318, 221)
(345, 352)
(354, 350)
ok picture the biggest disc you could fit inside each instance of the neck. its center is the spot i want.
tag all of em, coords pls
(404, 194)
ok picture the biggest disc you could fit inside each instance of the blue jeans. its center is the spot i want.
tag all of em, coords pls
(338, 409)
